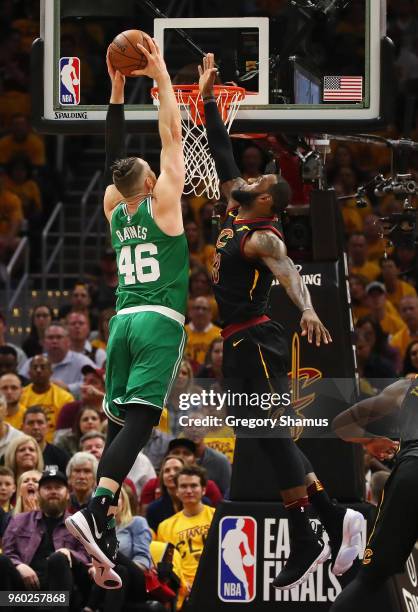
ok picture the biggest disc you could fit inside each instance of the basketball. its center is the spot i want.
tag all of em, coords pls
(124, 54)
(248, 560)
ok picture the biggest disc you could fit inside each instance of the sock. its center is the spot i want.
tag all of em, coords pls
(99, 505)
(111, 522)
(300, 527)
(327, 511)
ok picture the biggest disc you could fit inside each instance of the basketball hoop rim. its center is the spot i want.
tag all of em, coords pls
(191, 91)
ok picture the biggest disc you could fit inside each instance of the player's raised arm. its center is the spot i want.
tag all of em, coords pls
(218, 138)
(268, 247)
(170, 184)
(114, 137)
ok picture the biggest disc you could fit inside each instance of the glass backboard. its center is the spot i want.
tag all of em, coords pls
(311, 65)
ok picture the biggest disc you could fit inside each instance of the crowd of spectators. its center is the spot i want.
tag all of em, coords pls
(53, 433)
(52, 424)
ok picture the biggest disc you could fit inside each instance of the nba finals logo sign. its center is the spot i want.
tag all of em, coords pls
(237, 559)
(69, 72)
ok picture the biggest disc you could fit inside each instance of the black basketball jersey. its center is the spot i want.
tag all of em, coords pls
(241, 285)
(408, 424)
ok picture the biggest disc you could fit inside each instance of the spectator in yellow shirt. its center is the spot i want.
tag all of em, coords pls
(349, 180)
(200, 284)
(22, 140)
(18, 180)
(42, 392)
(187, 530)
(389, 321)
(396, 288)
(11, 387)
(11, 217)
(28, 26)
(358, 296)
(12, 101)
(408, 309)
(199, 251)
(358, 262)
(200, 331)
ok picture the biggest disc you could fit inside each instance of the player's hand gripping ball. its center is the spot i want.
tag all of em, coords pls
(124, 53)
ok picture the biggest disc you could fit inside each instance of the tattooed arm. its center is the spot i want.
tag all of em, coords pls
(268, 247)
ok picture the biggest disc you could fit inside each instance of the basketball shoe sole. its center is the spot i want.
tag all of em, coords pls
(321, 558)
(351, 542)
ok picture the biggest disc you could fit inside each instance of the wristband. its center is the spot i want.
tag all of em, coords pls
(309, 308)
(209, 99)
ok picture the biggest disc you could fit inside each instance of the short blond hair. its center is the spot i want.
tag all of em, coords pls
(10, 455)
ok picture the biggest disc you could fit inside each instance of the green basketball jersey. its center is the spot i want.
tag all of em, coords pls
(153, 268)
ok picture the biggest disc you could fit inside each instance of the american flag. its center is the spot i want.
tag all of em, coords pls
(349, 88)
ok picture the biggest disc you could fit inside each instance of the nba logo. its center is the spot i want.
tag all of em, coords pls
(237, 558)
(70, 81)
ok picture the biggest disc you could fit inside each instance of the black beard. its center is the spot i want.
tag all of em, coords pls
(243, 197)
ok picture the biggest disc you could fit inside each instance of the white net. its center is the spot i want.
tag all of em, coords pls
(201, 176)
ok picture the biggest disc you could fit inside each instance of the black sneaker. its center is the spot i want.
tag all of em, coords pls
(304, 558)
(345, 541)
(101, 545)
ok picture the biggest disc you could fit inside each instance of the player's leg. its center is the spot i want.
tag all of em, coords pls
(155, 345)
(390, 543)
(343, 525)
(124, 443)
(150, 348)
(261, 352)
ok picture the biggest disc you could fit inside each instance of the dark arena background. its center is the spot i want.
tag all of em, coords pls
(329, 100)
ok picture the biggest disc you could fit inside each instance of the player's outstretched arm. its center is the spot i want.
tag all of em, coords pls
(170, 184)
(218, 138)
(268, 247)
(355, 423)
(114, 136)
